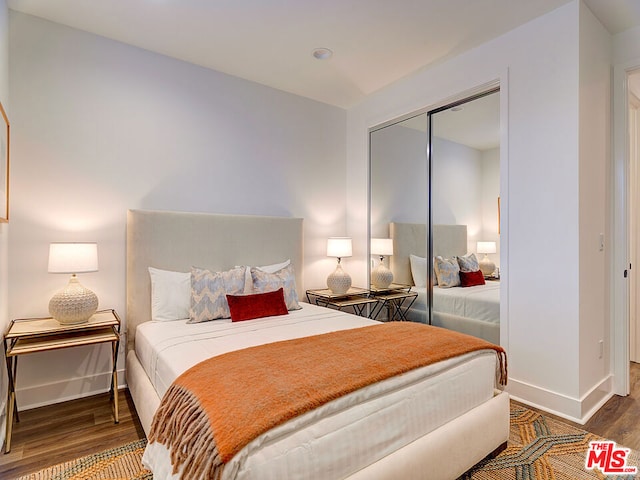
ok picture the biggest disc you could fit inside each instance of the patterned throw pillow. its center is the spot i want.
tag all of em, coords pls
(283, 278)
(209, 293)
(468, 263)
(447, 271)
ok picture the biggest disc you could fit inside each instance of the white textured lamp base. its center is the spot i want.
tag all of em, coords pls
(339, 281)
(487, 267)
(381, 276)
(74, 304)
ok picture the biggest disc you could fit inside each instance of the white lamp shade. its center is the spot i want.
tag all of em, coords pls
(382, 246)
(486, 247)
(339, 247)
(73, 257)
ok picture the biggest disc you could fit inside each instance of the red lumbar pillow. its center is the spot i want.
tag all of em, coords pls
(470, 279)
(247, 307)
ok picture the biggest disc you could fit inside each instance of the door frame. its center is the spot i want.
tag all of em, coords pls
(620, 254)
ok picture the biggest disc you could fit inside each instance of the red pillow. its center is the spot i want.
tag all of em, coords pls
(247, 307)
(470, 279)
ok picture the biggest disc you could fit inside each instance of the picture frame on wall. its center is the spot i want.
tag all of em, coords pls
(4, 165)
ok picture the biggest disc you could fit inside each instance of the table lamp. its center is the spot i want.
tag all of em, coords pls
(75, 303)
(381, 276)
(487, 267)
(339, 281)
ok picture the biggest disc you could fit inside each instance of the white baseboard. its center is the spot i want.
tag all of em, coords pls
(578, 410)
(71, 389)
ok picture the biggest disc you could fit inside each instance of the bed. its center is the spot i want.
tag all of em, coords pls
(472, 310)
(433, 422)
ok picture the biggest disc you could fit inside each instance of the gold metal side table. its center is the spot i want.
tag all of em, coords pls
(31, 335)
(397, 299)
(355, 298)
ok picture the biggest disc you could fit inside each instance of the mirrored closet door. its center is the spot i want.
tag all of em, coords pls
(434, 192)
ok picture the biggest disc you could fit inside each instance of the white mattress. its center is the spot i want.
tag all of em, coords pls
(342, 436)
(481, 302)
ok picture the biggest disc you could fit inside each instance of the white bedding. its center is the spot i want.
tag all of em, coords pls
(481, 302)
(363, 426)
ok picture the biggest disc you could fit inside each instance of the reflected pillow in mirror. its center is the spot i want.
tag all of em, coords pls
(447, 271)
(471, 279)
(468, 263)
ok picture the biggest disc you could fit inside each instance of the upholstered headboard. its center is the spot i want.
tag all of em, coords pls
(411, 238)
(177, 241)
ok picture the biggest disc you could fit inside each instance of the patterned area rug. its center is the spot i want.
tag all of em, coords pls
(540, 448)
(123, 462)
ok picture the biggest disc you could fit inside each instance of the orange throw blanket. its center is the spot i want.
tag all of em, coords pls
(218, 406)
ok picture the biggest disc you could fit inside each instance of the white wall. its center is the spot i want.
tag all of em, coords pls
(101, 127)
(538, 67)
(595, 177)
(4, 227)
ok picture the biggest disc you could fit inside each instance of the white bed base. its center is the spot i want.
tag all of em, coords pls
(470, 326)
(176, 241)
(445, 453)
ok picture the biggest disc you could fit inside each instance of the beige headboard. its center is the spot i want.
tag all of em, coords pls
(411, 238)
(177, 241)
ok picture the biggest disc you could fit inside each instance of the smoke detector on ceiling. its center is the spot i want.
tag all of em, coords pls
(322, 53)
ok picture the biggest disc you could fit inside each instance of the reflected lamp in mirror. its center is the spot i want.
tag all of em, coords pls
(75, 303)
(487, 267)
(339, 281)
(381, 276)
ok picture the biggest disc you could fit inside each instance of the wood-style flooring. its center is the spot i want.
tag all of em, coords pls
(619, 418)
(58, 433)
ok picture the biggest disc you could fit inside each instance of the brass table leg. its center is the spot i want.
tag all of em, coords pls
(114, 382)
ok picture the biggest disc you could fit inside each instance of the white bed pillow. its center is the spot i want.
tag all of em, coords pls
(170, 295)
(284, 278)
(275, 267)
(447, 271)
(419, 271)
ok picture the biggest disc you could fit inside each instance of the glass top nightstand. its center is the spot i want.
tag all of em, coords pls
(357, 299)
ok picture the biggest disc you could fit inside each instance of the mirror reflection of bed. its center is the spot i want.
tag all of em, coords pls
(474, 310)
(458, 189)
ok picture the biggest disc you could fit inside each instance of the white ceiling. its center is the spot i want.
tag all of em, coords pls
(475, 124)
(375, 42)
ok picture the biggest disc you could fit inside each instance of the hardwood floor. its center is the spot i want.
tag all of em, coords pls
(619, 418)
(58, 433)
